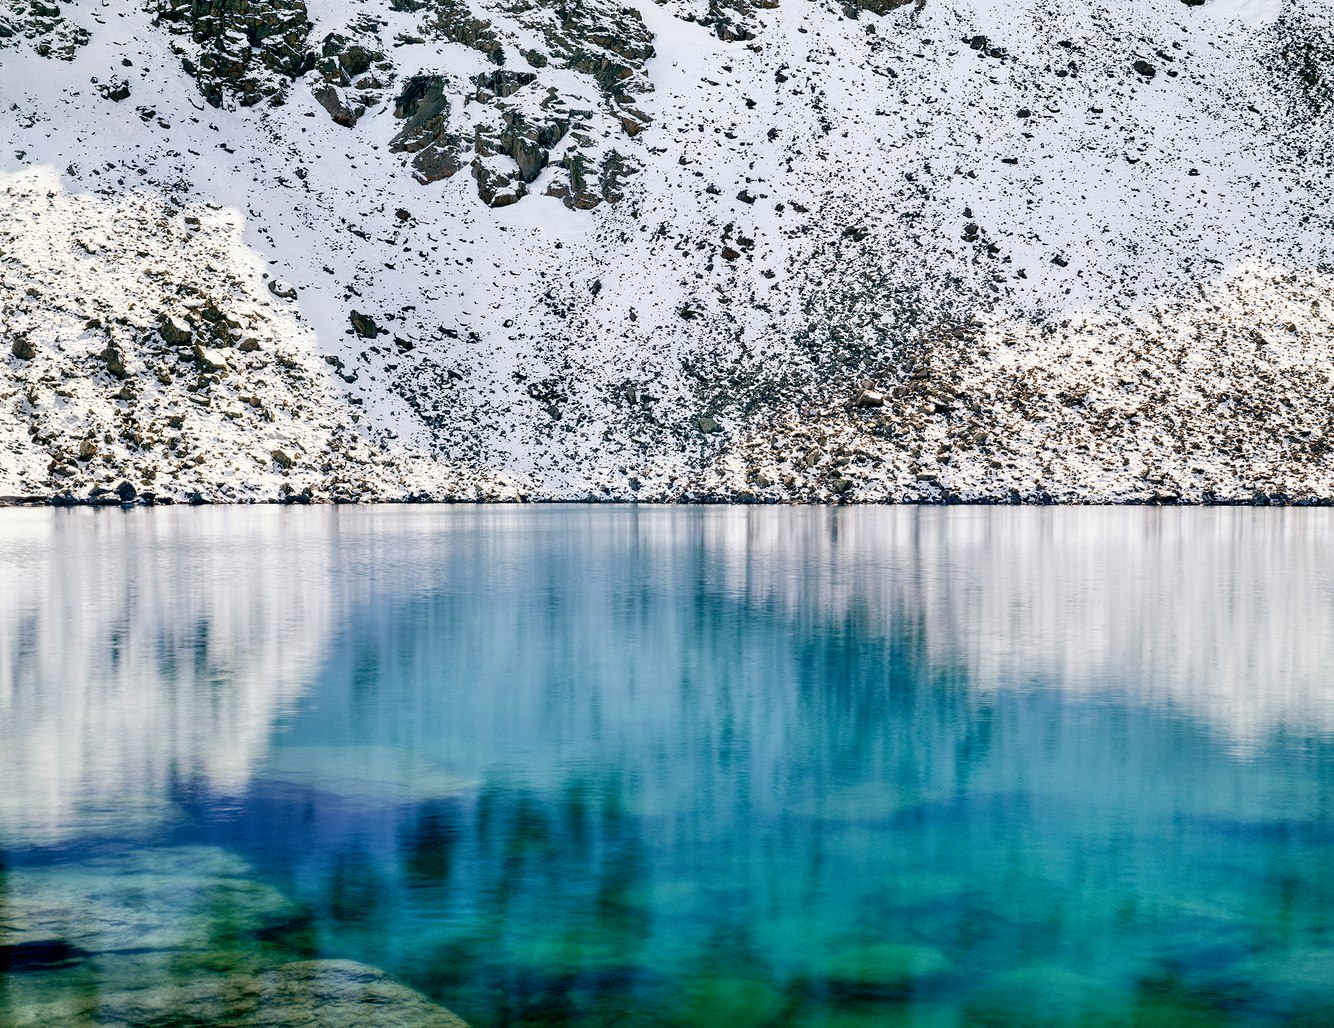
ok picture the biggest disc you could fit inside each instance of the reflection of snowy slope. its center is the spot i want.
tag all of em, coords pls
(785, 200)
(1224, 615)
(507, 632)
(136, 657)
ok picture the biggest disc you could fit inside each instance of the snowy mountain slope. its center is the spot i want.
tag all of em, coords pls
(1080, 251)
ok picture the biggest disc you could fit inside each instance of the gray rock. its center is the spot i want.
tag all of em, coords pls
(175, 331)
(208, 360)
(23, 349)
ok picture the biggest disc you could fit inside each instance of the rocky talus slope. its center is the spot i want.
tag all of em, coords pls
(764, 250)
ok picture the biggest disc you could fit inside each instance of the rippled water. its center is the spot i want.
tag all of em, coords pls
(667, 766)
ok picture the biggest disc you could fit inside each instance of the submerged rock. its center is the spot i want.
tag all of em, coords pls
(880, 968)
(730, 1001)
(182, 899)
(326, 993)
(329, 993)
(371, 774)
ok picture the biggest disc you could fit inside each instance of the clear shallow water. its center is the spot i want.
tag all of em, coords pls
(668, 766)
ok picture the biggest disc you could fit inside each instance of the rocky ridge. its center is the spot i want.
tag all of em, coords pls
(868, 251)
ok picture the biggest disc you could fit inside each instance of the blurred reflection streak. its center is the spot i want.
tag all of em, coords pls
(141, 652)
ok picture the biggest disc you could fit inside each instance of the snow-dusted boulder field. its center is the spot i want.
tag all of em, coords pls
(812, 250)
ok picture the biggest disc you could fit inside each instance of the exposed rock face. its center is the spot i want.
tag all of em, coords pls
(509, 125)
(245, 51)
(44, 26)
(424, 105)
(352, 72)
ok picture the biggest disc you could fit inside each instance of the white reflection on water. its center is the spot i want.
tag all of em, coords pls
(142, 651)
(146, 650)
(1226, 614)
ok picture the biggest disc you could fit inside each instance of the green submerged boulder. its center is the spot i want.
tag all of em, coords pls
(882, 968)
(736, 1002)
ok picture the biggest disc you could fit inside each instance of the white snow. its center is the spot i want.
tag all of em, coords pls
(927, 200)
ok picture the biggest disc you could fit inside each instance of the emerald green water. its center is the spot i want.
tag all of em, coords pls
(618, 766)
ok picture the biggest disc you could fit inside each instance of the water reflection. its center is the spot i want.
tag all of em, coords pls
(585, 765)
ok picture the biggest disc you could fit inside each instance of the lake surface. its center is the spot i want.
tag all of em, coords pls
(618, 766)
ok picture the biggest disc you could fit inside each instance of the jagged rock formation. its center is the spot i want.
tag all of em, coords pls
(526, 125)
(244, 50)
(655, 250)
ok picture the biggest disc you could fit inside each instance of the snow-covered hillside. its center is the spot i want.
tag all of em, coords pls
(254, 249)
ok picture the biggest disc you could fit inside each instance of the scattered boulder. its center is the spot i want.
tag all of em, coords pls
(175, 330)
(708, 424)
(116, 90)
(282, 459)
(23, 348)
(364, 325)
(114, 360)
(209, 360)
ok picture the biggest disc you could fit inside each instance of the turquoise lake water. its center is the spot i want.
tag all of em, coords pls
(618, 766)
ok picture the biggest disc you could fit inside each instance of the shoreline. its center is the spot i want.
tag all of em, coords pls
(112, 501)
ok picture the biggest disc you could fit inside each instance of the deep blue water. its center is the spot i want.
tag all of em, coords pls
(582, 765)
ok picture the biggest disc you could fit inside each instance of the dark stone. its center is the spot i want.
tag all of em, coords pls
(39, 954)
(114, 360)
(364, 325)
(1145, 68)
(331, 99)
(175, 331)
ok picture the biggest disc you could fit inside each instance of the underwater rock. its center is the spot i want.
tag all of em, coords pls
(731, 1001)
(1046, 993)
(369, 774)
(330, 993)
(882, 968)
(327, 993)
(189, 898)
